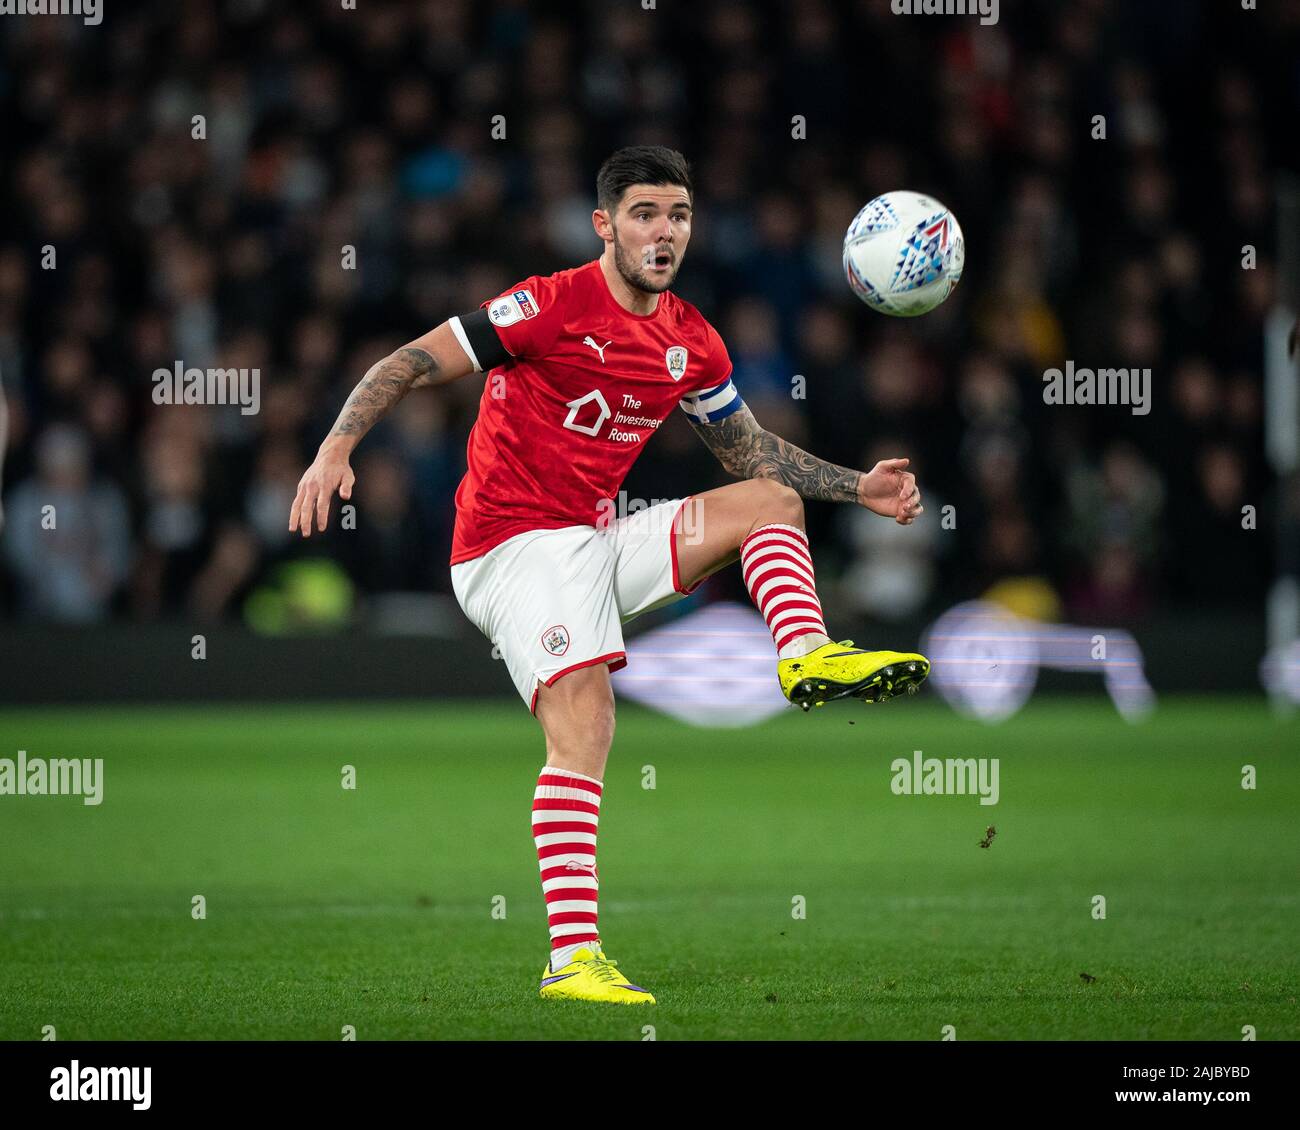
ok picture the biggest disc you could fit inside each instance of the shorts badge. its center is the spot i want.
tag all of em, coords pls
(556, 639)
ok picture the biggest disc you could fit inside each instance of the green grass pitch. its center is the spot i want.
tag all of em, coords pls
(374, 907)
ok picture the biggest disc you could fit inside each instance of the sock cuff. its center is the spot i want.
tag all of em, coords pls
(553, 772)
(795, 530)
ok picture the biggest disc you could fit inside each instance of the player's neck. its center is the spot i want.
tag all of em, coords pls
(632, 300)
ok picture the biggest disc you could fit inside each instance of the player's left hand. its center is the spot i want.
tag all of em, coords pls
(890, 490)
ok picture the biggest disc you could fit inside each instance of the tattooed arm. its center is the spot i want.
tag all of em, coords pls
(382, 387)
(749, 451)
(433, 359)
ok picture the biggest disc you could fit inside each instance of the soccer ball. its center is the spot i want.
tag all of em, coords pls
(904, 253)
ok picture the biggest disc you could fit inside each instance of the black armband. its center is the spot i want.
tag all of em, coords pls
(478, 338)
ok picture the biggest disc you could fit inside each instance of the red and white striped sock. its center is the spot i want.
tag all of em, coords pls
(566, 812)
(778, 572)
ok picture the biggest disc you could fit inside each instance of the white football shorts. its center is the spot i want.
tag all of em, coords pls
(552, 601)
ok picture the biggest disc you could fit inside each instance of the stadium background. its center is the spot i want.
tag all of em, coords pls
(326, 131)
(372, 129)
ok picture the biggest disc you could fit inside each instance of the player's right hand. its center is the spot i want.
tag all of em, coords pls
(329, 473)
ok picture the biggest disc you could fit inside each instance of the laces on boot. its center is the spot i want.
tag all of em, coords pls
(603, 969)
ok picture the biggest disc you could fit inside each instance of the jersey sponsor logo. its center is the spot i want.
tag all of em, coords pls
(675, 359)
(575, 408)
(556, 639)
(512, 308)
(527, 304)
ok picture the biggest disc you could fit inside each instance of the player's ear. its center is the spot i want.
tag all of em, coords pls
(600, 220)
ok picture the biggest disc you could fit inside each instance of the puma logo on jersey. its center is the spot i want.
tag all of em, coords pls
(589, 340)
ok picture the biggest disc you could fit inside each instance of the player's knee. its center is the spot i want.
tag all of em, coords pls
(601, 732)
(578, 717)
(584, 744)
(779, 503)
(591, 722)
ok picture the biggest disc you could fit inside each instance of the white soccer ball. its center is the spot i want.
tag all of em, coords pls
(904, 253)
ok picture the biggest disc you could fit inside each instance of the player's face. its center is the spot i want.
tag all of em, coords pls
(651, 226)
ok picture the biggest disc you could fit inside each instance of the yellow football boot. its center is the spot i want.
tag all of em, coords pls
(591, 976)
(839, 670)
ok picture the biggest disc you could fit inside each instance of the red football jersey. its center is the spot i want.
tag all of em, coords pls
(561, 423)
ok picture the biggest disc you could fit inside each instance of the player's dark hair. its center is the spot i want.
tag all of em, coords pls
(640, 164)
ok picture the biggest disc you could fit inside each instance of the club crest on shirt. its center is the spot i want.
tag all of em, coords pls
(556, 639)
(676, 360)
(512, 308)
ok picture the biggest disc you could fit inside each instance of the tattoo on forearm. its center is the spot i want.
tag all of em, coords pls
(750, 452)
(382, 387)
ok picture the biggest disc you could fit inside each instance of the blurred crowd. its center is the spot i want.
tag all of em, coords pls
(135, 238)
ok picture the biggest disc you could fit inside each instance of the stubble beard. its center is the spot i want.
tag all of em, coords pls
(628, 265)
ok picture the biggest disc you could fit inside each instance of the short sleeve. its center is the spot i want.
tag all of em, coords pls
(527, 317)
(720, 398)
